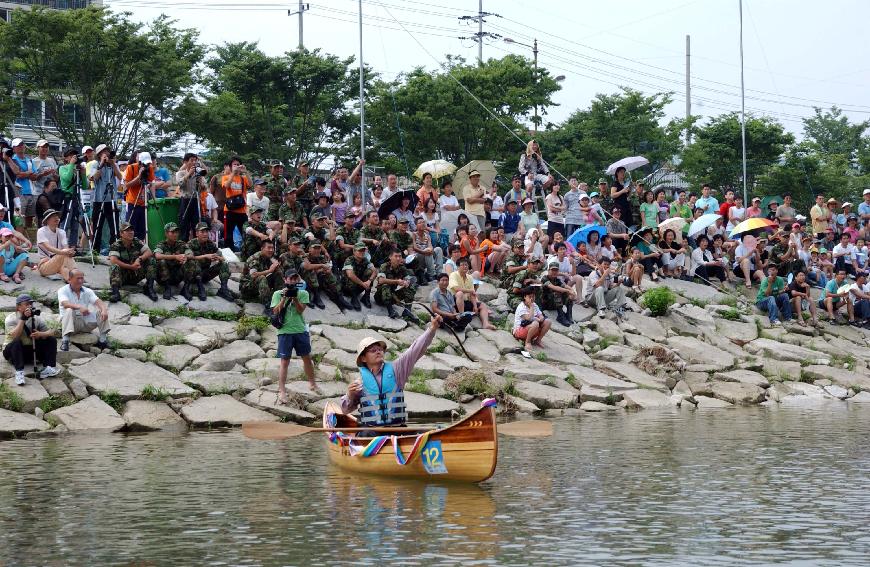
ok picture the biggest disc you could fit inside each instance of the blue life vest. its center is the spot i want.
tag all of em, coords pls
(382, 405)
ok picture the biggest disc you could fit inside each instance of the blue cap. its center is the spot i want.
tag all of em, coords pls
(23, 298)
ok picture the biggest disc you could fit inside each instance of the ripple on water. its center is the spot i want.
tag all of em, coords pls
(737, 486)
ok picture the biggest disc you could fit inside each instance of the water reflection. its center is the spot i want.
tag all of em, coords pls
(709, 487)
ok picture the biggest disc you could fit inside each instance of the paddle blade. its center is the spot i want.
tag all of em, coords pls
(528, 428)
(271, 431)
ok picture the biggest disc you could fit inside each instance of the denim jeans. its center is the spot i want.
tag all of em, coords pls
(776, 305)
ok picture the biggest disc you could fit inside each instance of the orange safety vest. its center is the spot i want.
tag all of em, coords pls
(238, 186)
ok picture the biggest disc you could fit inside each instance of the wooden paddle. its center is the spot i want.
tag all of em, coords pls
(271, 431)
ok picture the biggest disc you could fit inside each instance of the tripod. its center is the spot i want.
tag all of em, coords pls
(76, 205)
(8, 193)
(99, 216)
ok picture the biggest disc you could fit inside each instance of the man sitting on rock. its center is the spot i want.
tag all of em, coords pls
(132, 260)
(396, 285)
(603, 290)
(171, 258)
(772, 297)
(443, 303)
(261, 276)
(379, 391)
(515, 263)
(346, 237)
(357, 277)
(28, 334)
(317, 268)
(373, 236)
(461, 285)
(528, 277)
(81, 311)
(555, 295)
(204, 263)
(255, 231)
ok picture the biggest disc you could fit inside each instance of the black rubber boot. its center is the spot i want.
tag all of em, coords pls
(115, 297)
(185, 292)
(225, 293)
(391, 312)
(340, 302)
(167, 291)
(366, 299)
(200, 289)
(316, 301)
(354, 302)
(408, 315)
(569, 313)
(149, 290)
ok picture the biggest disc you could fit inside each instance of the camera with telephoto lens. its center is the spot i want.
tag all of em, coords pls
(33, 313)
(290, 290)
(200, 171)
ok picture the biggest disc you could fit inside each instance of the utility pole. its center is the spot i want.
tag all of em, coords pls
(302, 9)
(688, 90)
(742, 107)
(480, 35)
(535, 52)
(362, 111)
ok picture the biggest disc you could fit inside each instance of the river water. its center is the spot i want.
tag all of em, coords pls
(714, 487)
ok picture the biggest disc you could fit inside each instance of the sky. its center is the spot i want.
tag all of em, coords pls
(798, 53)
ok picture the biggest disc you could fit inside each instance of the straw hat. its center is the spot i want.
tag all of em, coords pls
(366, 343)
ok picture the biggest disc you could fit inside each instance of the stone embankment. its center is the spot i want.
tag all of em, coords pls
(175, 365)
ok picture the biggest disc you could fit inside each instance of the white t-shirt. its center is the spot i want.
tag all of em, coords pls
(855, 287)
(210, 204)
(85, 297)
(522, 310)
(254, 201)
(497, 203)
(849, 249)
(56, 239)
(41, 165)
(741, 251)
(450, 201)
(608, 253)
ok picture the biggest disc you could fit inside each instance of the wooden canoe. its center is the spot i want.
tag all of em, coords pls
(464, 451)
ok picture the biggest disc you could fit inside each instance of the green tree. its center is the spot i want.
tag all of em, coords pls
(613, 127)
(290, 107)
(423, 115)
(830, 133)
(715, 153)
(123, 78)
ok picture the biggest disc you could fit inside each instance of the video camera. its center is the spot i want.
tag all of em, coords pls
(33, 313)
(7, 149)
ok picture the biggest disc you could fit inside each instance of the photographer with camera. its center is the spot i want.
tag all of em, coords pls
(27, 335)
(25, 173)
(72, 181)
(102, 175)
(191, 183)
(293, 334)
(8, 173)
(236, 186)
(138, 176)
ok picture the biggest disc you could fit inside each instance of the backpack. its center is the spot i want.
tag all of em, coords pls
(277, 319)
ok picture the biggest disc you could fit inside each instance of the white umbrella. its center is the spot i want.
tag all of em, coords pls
(485, 168)
(702, 223)
(674, 223)
(629, 163)
(437, 167)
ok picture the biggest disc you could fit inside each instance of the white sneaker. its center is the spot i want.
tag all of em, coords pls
(601, 313)
(48, 372)
(19, 377)
(777, 323)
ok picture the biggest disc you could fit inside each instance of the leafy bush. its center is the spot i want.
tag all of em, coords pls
(658, 300)
(247, 323)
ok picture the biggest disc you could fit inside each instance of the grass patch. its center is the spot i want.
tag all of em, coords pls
(170, 338)
(730, 314)
(840, 359)
(248, 323)
(441, 346)
(658, 300)
(52, 403)
(571, 379)
(9, 398)
(702, 303)
(113, 398)
(542, 356)
(857, 389)
(607, 340)
(153, 393)
(728, 300)
(417, 382)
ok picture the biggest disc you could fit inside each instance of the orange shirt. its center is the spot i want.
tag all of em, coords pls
(136, 195)
(238, 186)
(487, 246)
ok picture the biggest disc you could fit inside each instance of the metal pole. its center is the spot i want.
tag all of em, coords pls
(535, 52)
(301, 10)
(480, 32)
(362, 111)
(742, 107)
(688, 89)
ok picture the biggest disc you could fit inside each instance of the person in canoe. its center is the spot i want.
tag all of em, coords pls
(379, 392)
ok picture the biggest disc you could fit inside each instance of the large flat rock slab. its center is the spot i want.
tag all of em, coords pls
(90, 414)
(227, 357)
(135, 336)
(481, 349)
(14, 424)
(503, 341)
(423, 406)
(223, 330)
(649, 327)
(141, 301)
(595, 379)
(737, 392)
(267, 400)
(222, 410)
(736, 330)
(341, 358)
(384, 323)
(786, 351)
(174, 357)
(695, 351)
(646, 399)
(144, 415)
(631, 373)
(744, 377)
(544, 396)
(559, 348)
(839, 376)
(531, 369)
(348, 339)
(127, 377)
(214, 382)
(215, 304)
(32, 393)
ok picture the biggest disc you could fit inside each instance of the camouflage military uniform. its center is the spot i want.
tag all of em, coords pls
(363, 269)
(346, 236)
(304, 194)
(551, 299)
(321, 234)
(389, 294)
(261, 288)
(512, 261)
(128, 254)
(170, 272)
(204, 268)
(289, 260)
(317, 281)
(513, 298)
(784, 267)
(275, 191)
(379, 252)
(251, 243)
(288, 213)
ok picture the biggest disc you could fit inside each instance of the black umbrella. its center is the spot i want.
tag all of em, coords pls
(394, 201)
